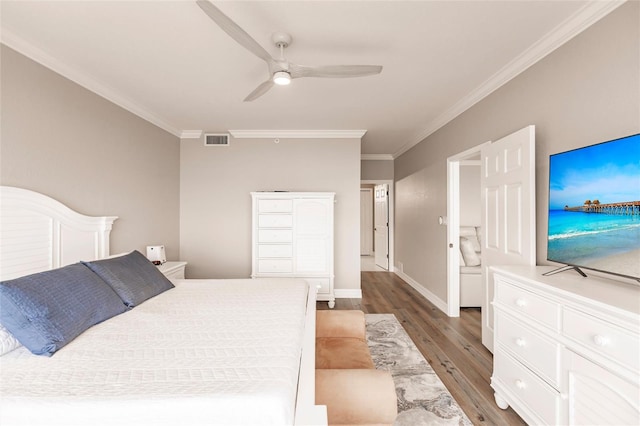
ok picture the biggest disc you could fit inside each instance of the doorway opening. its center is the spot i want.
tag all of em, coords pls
(464, 279)
(376, 225)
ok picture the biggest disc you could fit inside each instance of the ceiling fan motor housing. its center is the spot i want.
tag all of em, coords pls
(281, 39)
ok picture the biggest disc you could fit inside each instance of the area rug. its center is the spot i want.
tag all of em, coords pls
(422, 397)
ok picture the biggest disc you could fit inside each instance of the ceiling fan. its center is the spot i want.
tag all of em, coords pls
(281, 71)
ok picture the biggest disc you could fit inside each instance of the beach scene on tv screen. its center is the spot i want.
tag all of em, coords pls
(594, 207)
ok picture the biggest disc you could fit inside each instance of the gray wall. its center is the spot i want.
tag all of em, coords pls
(470, 203)
(585, 92)
(66, 142)
(215, 202)
(376, 170)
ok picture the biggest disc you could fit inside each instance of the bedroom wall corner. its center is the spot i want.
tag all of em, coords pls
(215, 200)
(66, 142)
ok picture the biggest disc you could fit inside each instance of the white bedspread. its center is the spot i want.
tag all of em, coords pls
(205, 352)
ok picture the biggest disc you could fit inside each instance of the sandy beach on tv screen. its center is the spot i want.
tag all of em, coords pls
(625, 263)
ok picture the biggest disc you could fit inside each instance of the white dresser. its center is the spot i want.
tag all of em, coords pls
(566, 348)
(292, 236)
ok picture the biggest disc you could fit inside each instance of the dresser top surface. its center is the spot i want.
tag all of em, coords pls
(594, 288)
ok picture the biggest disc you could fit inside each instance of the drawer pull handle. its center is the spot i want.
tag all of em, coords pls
(521, 303)
(520, 384)
(521, 342)
(319, 286)
(600, 340)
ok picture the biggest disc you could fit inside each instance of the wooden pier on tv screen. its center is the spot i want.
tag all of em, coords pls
(626, 208)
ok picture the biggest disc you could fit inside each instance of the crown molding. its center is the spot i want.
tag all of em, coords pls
(565, 31)
(380, 157)
(191, 134)
(298, 134)
(40, 56)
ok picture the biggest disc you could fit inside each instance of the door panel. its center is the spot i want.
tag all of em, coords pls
(508, 198)
(366, 221)
(491, 214)
(513, 219)
(311, 246)
(381, 229)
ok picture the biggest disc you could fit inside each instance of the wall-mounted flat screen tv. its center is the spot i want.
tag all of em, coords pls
(594, 207)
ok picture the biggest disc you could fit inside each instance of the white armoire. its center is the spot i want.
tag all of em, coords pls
(292, 236)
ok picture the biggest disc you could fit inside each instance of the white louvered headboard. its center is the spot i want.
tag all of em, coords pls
(38, 233)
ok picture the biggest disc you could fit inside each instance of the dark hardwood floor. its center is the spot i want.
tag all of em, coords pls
(452, 346)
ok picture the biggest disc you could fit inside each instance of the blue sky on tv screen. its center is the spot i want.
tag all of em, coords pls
(608, 172)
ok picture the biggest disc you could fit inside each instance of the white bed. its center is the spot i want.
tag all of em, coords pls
(204, 352)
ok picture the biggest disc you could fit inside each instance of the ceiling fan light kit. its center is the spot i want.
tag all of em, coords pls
(282, 78)
(281, 71)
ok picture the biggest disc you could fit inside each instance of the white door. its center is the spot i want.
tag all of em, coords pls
(381, 228)
(508, 212)
(366, 221)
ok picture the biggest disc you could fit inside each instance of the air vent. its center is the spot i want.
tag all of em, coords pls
(216, 139)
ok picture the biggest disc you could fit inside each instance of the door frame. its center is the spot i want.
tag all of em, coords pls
(370, 230)
(453, 225)
(392, 266)
(378, 221)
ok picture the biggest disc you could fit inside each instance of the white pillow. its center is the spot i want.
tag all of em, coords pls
(470, 233)
(7, 341)
(469, 255)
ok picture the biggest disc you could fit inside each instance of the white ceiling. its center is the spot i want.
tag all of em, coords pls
(169, 63)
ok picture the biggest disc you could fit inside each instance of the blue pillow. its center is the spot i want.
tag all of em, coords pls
(132, 276)
(47, 310)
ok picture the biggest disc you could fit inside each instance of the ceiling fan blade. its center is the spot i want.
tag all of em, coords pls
(260, 90)
(331, 71)
(231, 28)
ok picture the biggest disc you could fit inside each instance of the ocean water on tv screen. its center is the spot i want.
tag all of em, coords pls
(586, 238)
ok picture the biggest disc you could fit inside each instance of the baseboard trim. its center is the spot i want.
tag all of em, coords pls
(440, 304)
(348, 293)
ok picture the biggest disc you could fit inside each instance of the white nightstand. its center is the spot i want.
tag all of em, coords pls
(173, 269)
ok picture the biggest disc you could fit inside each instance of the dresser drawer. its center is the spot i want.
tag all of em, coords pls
(275, 236)
(322, 284)
(602, 337)
(275, 221)
(267, 266)
(275, 206)
(530, 305)
(275, 250)
(533, 349)
(541, 400)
